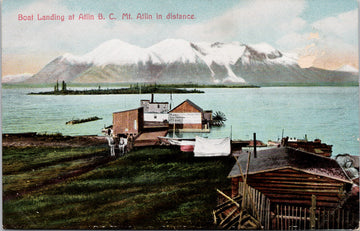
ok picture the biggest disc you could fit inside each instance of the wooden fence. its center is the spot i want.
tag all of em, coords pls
(298, 218)
(257, 204)
(287, 217)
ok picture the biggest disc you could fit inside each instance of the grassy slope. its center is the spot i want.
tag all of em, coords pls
(26, 168)
(146, 189)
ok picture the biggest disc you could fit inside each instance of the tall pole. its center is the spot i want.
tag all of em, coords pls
(170, 99)
(254, 145)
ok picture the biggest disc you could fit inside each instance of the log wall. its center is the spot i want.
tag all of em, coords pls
(295, 187)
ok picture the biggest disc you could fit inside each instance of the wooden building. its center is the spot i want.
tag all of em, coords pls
(154, 107)
(289, 176)
(155, 111)
(188, 116)
(128, 122)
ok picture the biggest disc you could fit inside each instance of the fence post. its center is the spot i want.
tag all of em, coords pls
(312, 212)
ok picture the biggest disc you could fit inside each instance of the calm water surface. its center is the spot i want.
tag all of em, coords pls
(328, 113)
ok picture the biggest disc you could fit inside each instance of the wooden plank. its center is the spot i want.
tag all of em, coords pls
(307, 203)
(289, 186)
(338, 219)
(228, 203)
(296, 177)
(289, 217)
(305, 197)
(292, 182)
(214, 217)
(226, 219)
(268, 214)
(301, 217)
(299, 191)
(292, 215)
(286, 218)
(232, 222)
(305, 216)
(318, 220)
(277, 217)
(282, 217)
(227, 197)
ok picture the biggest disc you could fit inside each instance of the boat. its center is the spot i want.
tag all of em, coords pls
(78, 121)
(186, 145)
(315, 146)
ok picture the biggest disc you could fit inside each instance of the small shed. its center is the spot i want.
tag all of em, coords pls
(290, 176)
(186, 115)
(128, 122)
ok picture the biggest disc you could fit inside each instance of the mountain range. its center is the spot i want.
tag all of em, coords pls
(180, 61)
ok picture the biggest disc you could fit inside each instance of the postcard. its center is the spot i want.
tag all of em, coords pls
(234, 114)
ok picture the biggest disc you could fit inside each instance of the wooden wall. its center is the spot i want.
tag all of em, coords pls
(295, 187)
(187, 126)
(128, 122)
(185, 107)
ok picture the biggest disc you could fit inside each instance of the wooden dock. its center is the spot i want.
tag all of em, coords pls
(149, 138)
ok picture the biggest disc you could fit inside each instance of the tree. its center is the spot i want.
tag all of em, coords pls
(218, 119)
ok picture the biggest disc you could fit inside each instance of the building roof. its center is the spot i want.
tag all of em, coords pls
(285, 157)
(189, 102)
(146, 100)
(139, 108)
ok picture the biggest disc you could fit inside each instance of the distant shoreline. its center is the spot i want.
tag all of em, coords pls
(139, 89)
(126, 85)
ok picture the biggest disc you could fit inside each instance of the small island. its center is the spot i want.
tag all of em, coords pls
(144, 88)
(133, 89)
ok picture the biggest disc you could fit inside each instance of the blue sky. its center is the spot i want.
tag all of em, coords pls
(316, 28)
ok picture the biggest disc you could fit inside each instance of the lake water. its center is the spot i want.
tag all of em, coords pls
(328, 113)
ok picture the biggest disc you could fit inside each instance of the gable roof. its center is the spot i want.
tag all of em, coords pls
(285, 157)
(135, 109)
(189, 102)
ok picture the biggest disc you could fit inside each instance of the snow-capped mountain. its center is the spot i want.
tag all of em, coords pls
(15, 78)
(348, 68)
(177, 60)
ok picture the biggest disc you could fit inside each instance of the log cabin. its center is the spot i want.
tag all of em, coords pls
(289, 176)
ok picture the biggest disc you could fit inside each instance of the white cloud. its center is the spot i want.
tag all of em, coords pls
(67, 36)
(332, 42)
(340, 30)
(293, 41)
(256, 22)
(276, 22)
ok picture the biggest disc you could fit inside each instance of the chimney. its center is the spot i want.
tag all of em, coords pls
(254, 145)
